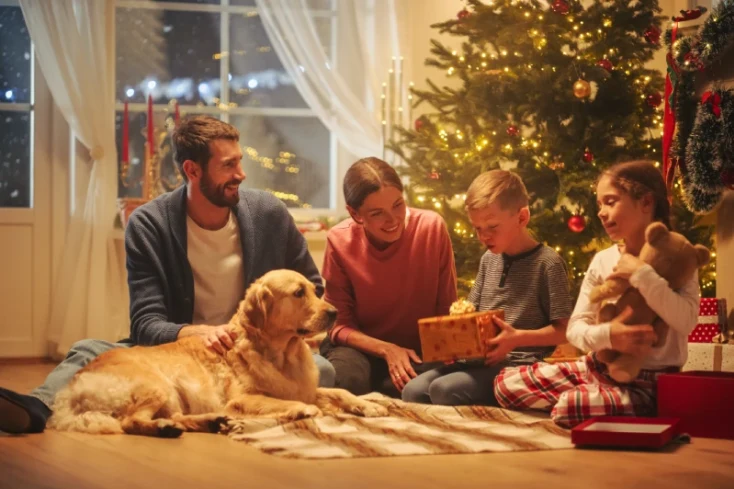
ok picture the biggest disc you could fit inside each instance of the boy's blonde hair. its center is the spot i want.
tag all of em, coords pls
(497, 186)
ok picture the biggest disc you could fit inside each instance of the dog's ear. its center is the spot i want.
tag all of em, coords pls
(258, 303)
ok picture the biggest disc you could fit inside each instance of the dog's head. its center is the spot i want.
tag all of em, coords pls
(283, 303)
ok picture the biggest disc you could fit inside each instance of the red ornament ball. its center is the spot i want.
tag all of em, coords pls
(654, 99)
(606, 64)
(588, 156)
(560, 7)
(434, 175)
(463, 14)
(419, 123)
(513, 130)
(577, 223)
(652, 35)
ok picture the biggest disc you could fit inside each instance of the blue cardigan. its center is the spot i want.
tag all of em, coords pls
(160, 280)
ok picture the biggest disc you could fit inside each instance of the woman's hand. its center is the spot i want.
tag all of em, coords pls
(627, 265)
(398, 364)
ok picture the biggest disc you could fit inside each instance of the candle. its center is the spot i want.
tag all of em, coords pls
(410, 103)
(383, 115)
(151, 133)
(401, 96)
(125, 136)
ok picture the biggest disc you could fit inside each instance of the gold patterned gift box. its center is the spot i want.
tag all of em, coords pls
(459, 337)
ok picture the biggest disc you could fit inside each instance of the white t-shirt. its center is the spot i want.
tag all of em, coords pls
(218, 269)
(679, 309)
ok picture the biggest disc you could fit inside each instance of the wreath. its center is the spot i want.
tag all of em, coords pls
(698, 134)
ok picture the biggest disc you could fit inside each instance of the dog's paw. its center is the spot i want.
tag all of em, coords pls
(168, 428)
(220, 424)
(368, 410)
(302, 412)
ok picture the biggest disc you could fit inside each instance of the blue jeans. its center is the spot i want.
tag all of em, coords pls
(458, 384)
(84, 351)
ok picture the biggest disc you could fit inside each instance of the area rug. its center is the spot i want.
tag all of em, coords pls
(410, 429)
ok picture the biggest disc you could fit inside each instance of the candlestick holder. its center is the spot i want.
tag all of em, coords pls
(160, 173)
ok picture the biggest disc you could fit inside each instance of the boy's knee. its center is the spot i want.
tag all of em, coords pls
(416, 391)
(444, 393)
(327, 373)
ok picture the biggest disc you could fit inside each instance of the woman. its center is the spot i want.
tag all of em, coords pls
(385, 268)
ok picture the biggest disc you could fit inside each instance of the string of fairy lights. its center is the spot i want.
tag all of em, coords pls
(496, 61)
(483, 60)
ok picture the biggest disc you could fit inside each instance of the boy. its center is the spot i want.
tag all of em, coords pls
(526, 279)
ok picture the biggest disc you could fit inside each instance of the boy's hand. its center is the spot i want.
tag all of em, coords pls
(503, 343)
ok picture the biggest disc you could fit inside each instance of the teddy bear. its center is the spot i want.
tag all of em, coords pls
(675, 259)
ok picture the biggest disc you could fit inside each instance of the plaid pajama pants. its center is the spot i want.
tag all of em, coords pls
(575, 391)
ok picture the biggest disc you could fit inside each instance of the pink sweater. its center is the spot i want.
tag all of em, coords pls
(384, 293)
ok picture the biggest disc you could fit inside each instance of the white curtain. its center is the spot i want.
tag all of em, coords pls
(353, 113)
(74, 43)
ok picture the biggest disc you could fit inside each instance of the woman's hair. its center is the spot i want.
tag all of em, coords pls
(639, 178)
(366, 176)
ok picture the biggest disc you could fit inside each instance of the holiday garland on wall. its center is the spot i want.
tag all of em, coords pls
(703, 145)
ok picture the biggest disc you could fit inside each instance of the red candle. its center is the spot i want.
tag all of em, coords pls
(125, 136)
(151, 136)
(176, 115)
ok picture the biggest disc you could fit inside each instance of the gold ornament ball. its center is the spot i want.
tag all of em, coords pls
(581, 89)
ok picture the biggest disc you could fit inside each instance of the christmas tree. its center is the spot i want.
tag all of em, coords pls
(554, 92)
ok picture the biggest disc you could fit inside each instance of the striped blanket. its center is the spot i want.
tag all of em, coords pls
(411, 429)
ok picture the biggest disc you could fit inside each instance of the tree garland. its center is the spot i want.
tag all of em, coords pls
(704, 142)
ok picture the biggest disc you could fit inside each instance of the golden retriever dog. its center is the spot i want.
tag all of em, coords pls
(167, 389)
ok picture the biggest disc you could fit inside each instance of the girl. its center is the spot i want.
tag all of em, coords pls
(630, 196)
(384, 268)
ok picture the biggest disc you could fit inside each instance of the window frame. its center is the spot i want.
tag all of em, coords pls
(336, 201)
(24, 214)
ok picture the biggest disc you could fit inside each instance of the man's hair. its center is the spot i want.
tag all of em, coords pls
(504, 188)
(191, 139)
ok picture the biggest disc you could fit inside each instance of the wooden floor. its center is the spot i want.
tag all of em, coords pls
(61, 460)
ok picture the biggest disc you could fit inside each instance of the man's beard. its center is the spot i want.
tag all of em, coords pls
(216, 194)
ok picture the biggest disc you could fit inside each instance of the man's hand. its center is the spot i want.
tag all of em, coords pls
(217, 338)
(398, 364)
(503, 343)
(635, 339)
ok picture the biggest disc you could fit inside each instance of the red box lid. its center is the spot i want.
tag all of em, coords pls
(625, 431)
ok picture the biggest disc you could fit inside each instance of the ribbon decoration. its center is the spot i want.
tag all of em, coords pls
(671, 80)
(714, 100)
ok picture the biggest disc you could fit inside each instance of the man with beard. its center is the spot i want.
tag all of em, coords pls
(191, 254)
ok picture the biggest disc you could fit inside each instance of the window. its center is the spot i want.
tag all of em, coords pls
(16, 110)
(213, 57)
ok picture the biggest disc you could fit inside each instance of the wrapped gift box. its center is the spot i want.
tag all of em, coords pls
(711, 321)
(702, 400)
(714, 357)
(460, 337)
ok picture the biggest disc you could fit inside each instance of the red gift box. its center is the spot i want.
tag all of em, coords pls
(625, 431)
(711, 320)
(702, 400)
